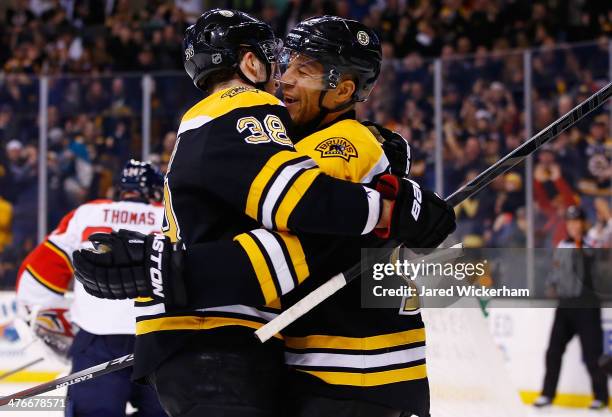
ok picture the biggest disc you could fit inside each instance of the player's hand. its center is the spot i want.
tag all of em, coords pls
(397, 149)
(419, 217)
(127, 264)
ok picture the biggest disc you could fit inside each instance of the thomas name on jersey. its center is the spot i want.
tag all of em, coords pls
(129, 217)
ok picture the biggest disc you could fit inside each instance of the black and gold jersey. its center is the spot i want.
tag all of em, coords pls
(338, 349)
(233, 169)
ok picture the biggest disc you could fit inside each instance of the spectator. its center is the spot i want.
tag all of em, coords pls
(164, 152)
(22, 164)
(553, 196)
(601, 232)
(596, 153)
(6, 218)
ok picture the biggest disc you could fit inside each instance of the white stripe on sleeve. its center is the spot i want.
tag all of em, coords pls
(276, 190)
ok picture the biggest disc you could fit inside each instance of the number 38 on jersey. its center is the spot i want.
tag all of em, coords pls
(271, 130)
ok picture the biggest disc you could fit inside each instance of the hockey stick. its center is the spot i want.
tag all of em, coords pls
(20, 368)
(75, 378)
(337, 282)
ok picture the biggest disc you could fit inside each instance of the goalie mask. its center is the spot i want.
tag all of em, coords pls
(55, 329)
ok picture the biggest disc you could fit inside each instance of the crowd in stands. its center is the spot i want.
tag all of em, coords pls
(95, 53)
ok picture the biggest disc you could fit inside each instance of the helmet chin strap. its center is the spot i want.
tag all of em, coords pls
(313, 124)
(324, 111)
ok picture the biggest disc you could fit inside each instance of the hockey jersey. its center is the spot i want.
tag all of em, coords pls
(233, 169)
(338, 349)
(46, 273)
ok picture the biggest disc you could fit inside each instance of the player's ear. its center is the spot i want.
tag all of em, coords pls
(344, 91)
(252, 67)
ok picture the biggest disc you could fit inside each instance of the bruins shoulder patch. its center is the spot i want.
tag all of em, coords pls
(337, 147)
(232, 92)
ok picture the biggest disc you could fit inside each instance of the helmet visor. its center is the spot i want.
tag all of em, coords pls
(270, 49)
(301, 70)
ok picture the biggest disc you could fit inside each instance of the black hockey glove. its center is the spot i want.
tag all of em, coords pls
(419, 218)
(397, 149)
(127, 264)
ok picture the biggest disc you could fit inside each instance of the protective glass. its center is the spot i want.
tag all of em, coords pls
(271, 49)
(300, 70)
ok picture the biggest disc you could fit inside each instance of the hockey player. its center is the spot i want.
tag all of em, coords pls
(276, 261)
(344, 360)
(105, 327)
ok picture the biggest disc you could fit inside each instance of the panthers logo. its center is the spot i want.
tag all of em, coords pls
(337, 147)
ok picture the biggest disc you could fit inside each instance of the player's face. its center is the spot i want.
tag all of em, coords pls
(575, 228)
(301, 84)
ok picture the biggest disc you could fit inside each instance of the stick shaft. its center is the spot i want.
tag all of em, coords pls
(21, 368)
(75, 378)
(482, 180)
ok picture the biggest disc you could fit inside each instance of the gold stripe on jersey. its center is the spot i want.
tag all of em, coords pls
(170, 227)
(44, 281)
(260, 266)
(356, 343)
(297, 255)
(371, 379)
(193, 323)
(226, 100)
(59, 253)
(266, 176)
(293, 196)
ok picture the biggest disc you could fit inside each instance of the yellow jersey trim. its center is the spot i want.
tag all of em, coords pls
(223, 102)
(44, 281)
(193, 323)
(260, 266)
(371, 379)
(293, 197)
(297, 255)
(61, 254)
(265, 175)
(357, 343)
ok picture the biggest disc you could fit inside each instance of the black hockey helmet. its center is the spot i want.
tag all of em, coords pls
(142, 178)
(213, 43)
(342, 46)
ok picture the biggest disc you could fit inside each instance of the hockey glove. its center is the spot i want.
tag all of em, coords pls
(419, 218)
(397, 149)
(127, 264)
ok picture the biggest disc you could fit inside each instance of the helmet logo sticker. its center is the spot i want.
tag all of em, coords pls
(226, 13)
(216, 58)
(363, 38)
(189, 52)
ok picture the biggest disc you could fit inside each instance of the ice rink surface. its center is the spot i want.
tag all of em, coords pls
(531, 412)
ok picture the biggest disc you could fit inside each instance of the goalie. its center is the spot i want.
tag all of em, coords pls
(89, 330)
